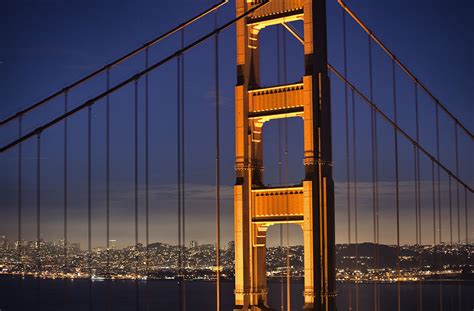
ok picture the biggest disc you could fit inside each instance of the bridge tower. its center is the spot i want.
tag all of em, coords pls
(310, 204)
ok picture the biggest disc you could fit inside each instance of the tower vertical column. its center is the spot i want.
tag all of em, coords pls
(318, 157)
(312, 206)
(244, 233)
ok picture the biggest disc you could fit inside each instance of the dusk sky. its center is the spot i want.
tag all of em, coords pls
(47, 44)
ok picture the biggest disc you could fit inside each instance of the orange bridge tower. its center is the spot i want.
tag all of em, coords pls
(310, 204)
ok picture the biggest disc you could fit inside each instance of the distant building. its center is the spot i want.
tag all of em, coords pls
(193, 244)
(75, 247)
(112, 244)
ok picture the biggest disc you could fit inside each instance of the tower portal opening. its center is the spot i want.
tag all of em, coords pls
(285, 256)
(283, 152)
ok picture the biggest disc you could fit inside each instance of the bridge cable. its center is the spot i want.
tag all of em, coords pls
(217, 125)
(435, 248)
(439, 202)
(417, 240)
(183, 167)
(38, 203)
(466, 225)
(20, 195)
(416, 153)
(38, 218)
(280, 174)
(457, 183)
(373, 132)
(107, 169)
(135, 169)
(147, 240)
(183, 191)
(458, 207)
(450, 211)
(65, 183)
(178, 89)
(285, 175)
(116, 62)
(356, 233)
(346, 126)
(397, 194)
(89, 200)
(107, 185)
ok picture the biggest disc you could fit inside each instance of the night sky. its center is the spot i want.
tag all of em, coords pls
(47, 44)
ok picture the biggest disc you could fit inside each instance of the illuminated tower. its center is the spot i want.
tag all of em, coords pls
(311, 204)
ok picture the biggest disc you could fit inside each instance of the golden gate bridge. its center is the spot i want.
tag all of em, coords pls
(440, 191)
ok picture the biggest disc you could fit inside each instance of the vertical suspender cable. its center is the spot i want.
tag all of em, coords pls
(466, 223)
(107, 182)
(346, 125)
(38, 217)
(135, 170)
(417, 241)
(38, 203)
(439, 174)
(89, 201)
(373, 130)
(218, 212)
(396, 183)
(435, 251)
(89, 195)
(457, 183)
(450, 211)
(280, 175)
(417, 234)
(418, 194)
(285, 177)
(458, 208)
(356, 237)
(439, 201)
(417, 161)
(178, 89)
(147, 240)
(65, 180)
(107, 187)
(183, 191)
(20, 185)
